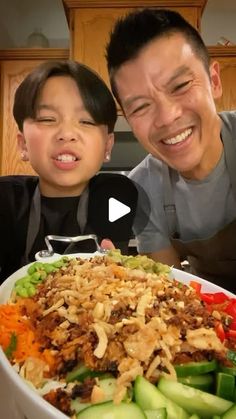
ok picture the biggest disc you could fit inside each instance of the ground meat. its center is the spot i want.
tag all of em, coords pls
(83, 390)
(60, 399)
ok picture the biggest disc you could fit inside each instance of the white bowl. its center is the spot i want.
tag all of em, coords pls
(17, 399)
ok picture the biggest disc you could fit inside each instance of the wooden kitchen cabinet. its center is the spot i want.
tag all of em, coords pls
(226, 56)
(90, 22)
(14, 66)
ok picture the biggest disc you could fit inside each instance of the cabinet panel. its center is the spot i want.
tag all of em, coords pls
(226, 57)
(191, 14)
(228, 77)
(15, 64)
(91, 34)
(13, 72)
(90, 29)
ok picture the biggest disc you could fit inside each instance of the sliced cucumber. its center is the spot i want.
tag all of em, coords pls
(109, 410)
(80, 372)
(193, 400)
(78, 406)
(148, 397)
(227, 370)
(231, 413)
(156, 414)
(225, 384)
(108, 386)
(204, 382)
(195, 368)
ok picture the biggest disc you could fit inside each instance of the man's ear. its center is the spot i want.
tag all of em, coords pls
(109, 146)
(216, 86)
(22, 146)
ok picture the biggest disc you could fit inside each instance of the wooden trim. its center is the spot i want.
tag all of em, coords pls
(222, 51)
(78, 4)
(1, 115)
(34, 54)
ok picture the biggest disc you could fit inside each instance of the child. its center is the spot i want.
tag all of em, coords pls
(66, 116)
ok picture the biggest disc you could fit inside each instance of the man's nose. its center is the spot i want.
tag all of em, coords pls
(168, 109)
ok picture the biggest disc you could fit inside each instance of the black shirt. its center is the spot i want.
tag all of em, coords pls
(16, 193)
(63, 222)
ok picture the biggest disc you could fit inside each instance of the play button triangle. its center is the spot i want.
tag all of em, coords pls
(117, 209)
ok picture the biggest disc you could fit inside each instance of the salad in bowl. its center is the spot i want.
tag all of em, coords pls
(114, 336)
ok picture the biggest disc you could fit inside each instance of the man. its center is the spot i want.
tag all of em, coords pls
(162, 77)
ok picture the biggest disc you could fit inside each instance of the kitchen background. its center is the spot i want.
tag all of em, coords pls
(22, 20)
(19, 18)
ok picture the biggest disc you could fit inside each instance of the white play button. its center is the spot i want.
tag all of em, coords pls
(116, 209)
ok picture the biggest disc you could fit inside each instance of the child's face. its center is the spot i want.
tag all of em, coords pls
(62, 143)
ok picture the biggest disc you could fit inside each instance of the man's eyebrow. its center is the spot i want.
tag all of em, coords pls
(131, 100)
(179, 72)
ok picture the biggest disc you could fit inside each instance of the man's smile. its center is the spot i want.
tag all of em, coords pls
(179, 137)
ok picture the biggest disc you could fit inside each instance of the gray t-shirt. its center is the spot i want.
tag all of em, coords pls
(202, 207)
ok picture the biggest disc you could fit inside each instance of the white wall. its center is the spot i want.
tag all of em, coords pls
(219, 19)
(19, 18)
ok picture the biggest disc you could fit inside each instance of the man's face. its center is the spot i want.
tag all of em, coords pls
(168, 99)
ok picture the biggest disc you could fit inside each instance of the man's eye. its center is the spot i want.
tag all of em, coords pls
(181, 86)
(139, 109)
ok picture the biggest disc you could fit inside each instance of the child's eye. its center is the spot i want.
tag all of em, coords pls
(45, 119)
(87, 122)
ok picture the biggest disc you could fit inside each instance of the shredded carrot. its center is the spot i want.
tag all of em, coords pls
(118, 271)
(12, 321)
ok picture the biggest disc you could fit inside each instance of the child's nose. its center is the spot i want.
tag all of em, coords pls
(68, 132)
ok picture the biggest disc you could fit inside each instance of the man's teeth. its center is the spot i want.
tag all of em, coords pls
(179, 137)
(66, 158)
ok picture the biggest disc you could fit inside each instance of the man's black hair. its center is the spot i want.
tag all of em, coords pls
(134, 31)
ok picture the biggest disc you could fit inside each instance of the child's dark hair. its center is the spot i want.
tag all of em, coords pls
(134, 31)
(95, 94)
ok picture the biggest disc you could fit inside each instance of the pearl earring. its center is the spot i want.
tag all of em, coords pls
(107, 156)
(24, 156)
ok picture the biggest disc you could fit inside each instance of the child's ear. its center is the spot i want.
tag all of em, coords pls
(216, 85)
(109, 146)
(22, 146)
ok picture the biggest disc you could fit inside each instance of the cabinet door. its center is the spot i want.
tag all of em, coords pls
(90, 33)
(12, 73)
(191, 14)
(90, 36)
(228, 77)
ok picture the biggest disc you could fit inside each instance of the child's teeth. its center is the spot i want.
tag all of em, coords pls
(66, 157)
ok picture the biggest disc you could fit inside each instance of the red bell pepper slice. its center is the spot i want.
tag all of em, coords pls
(207, 297)
(232, 325)
(216, 298)
(220, 297)
(220, 331)
(231, 308)
(196, 285)
(231, 334)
